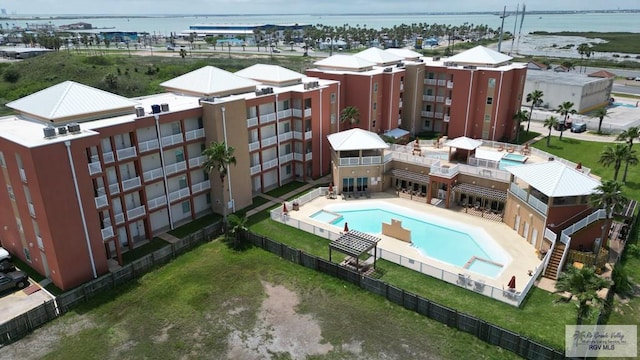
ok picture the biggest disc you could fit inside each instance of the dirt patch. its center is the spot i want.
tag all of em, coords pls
(279, 330)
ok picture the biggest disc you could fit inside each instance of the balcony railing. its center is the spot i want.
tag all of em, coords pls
(194, 134)
(296, 113)
(285, 158)
(449, 84)
(439, 99)
(401, 86)
(40, 243)
(308, 135)
(400, 103)
(430, 81)
(426, 113)
(119, 218)
(152, 174)
(442, 82)
(101, 201)
(136, 212)
(197, 161)
(108, 157)
(297, 135)
(107, 233)
(32, 210)
(438, 115)
(307, 112)
(252, 121)
(157, 202)
(518, 191)
(114, 189)
(447, 118)
(444, 171)
(131, 183)
(255, 169)
(537, 204)
(148, 145)
(95, 168)
(270, 164)
(350, 161)
(285, 136)
(201, 186)
(282, 114)
(171, 140)
(269, 141)
(126, 153)
(428, 97)
(308, 156)
(447, 101)
(254, 146)
(267, 118)
(174, 168)
(179, 194)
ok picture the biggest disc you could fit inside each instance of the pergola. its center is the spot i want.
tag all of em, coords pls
(410, 175)
(355, 243)
(482, 192)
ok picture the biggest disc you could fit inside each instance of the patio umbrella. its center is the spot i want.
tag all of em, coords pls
(512, 282)
(579, 166)
(346, 227)
(330, 187)
(284, 208)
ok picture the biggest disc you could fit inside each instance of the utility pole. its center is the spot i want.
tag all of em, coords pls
(504, 11)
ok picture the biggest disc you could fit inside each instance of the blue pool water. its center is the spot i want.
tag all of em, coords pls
(483, 267)
(515, 157)
(443, 243)
(326, 216)
(505, 162)
(622, 104)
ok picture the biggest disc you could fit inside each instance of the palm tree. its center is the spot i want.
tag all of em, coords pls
(630, 159)
(615, 155)
(628, 135)
(600, 113)
(550, 122)
(607, 196)
(237, 224)
(584, 284)
(519, 117)
(350, 114)
(535, 98)
(565, 109)
(218, 157)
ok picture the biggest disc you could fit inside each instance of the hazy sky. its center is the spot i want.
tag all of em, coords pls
(148, 7)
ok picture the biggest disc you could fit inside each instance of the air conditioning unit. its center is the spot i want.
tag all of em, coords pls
(258, 92)
(62, 130)
(164, 107)
(436, 58)
(155, 109)
(73, 128)
(139, 111)
(388, 69)
(49, 132)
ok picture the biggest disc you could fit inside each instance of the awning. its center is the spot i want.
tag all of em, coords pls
(354, 243)
(409, 175)
(481, 191)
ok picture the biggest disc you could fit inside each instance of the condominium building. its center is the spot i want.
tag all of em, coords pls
(88, 175)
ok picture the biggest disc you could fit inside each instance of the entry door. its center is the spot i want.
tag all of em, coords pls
(534, 237)
(525, 233)
(516, 225)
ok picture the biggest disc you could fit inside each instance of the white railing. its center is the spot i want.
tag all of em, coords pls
(584, 222)
(387, 157)
(254, 146)
(413, 159)
(297, 135)
(174, 168)
(518, 191)
(447, 101)
(285, 136)
(148, 145)
(152, 174)
(368, 160)
(428, 97)
(119, 218)
(284, 114)
(157, 202)
(269, 141)
(308, 134)
(449, 84)
(546, 155)
(269, 164)
(565, 253)
(308, 156)
(537, 204)
(32, 210)
(430, 81)
(267, 118)
(401, 86)
(180, 194)
(197, 161)
(131, 183)
(136, 212)
(194, 134)
(444, 171)
(548, 234)
(493, 174)
(286, 157)
(296, 112)
(426, 113)
(307, 112)
(107, 233)
(126, 153)
(442, 82)
(539, 269)
(255, 169)
(204, 185)
(94, 168)
(40, 243)
(252, 121)
(298, 157)
(108, 157)
(171, 140)
(447, 118)
(101, 201)
(439, 98)
(438, 115)
(349, 161)
(114, 189)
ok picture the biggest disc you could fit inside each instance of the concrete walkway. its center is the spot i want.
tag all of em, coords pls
(279, 200)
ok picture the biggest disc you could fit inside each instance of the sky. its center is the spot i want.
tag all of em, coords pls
(201, 7)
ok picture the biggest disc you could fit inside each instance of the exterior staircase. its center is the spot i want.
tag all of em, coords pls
(554, 262)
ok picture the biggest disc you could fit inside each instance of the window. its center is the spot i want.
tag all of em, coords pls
(183, 182)
(186, 207)
(487, 117)
(373, 123)
(208, 198)
(427, 108)
(430, 75)
(175, 128)
(179, 155)
(287, 149)
(27, 254)
(287, 170)
(427, 124)
(375, 106)
(333, 98)
(206, 175)
(200, 124)
(2, 162)
(492, 83)
(489, 100)
(333, 119)
(375, 87)
(287, 127)
(10, 191)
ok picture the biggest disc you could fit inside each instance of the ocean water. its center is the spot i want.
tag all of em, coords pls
(165, 25)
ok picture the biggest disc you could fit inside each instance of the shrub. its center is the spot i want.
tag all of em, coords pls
(11, 75)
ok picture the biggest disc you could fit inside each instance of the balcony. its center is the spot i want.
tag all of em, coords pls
(401, 87)
(447, 118)
(107, 233)
(267, 118)
(428, 97)
(131, 183)
(171, 140)
(194, 134)
(430, 81)
(426, 113)
(179, 194)
(253, 146)
(136, 212)
(40, 243)
(126, 153)
(108, 157)
(174, 168)
(197, 161)
(269, 141)
(157, 202)
(296, 112)
(286, 158)
(269, 164)
(450, 84)
(439, 99)
(442, 82)
(148, 145)
(438, 115)
(350, 161)
(298, 157)
(447, 101)
(95, 168)
(255, 169)
(32, 210)
(201, 186)
(101, 201)
(444, 171)
(151, 175)
(251, 122)
(307, 135)
(308, 156)
(400, 103)
(119, 218)
(283, 114)
(114, 189)
(297, 135)
(368, 160)
(307, 112)
(285, 136)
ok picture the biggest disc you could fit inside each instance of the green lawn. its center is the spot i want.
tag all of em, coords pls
(191, 227)
(285, 189)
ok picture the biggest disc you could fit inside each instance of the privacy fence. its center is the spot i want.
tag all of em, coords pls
(22, 325)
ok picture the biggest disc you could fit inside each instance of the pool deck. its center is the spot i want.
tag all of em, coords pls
(523, 255)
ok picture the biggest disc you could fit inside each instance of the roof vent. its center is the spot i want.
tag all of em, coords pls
(388, 69)
(164, 107)
(139, 111)
(436, 58)
(155, 109)
(73, 128)
(469, 67)
(49, 132)
(267, 90)
(62, 130)
(259, 92)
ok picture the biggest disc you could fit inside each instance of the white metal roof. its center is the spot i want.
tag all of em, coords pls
(210, 80)
(404, 53)
(344, 62)
(480, 55)
(396, 133)
(555, 179)
(271, 74)
(356, 139)
(464, 142)
(70, 100)
(379, 56)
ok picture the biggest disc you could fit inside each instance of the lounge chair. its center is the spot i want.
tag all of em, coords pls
(510, 149)
(479, 285)
(500, 148)
(462, 279)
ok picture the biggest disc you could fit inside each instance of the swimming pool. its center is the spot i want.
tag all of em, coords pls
(441, 239)
(515, 157)
(507, 162)
(622, 104)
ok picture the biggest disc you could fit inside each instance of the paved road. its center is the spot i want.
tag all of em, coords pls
(538, 127)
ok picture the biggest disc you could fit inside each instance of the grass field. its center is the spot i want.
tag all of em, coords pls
(622, 42)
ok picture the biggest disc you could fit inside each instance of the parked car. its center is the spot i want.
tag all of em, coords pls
(579, 127)
(6, 266)
(276, 51)
(4, 254)
(14, 279)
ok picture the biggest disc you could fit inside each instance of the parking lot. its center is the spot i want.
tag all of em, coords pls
(15, 303)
